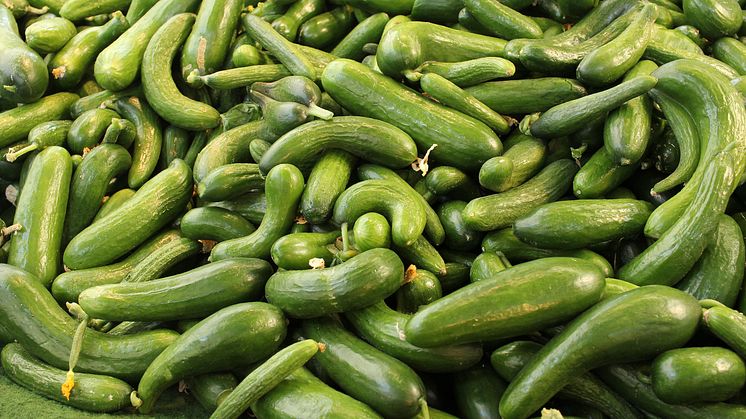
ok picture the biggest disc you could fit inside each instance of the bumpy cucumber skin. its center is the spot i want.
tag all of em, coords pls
(732, 52)
(18, 122)
(207, 45)
(327, 180)
(295, 251)
(163, 198)
(714, 18)
(148, 140)
(41, 213)
(88, 129)
(95, 393)
(230, 180)
(21, 67)
(212, 223)
(49, 35)
(502, 21)
(600, 175)
(515, 97)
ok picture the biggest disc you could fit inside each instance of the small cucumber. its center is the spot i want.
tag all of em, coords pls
(727, 325)
(295, 251)
(421, 253)
(46, 134)
(523, 157)
(148, 140)
(251, 206)
(502, 21)
(230, 180)
(212, 223)
(327, 180)
(163, 259)
(470, 72)
(367, 31)
(421, 288)
(600, 175)
(101, 100)
(715, 18)
(49, 35)
(114, 201)
(486, 265)
(325, 30)
(458, 235)
(477, 392)
(285, 51)
(732, 52)
(23, 74)
(176, 142)
(515, 97)
(371, 231)
(76, 10)
(88, 129)
(19, 121)
(300, 12)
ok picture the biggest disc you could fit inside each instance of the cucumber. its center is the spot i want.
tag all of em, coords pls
(470, 72)
(715, 19)
(732, 52)
(296, 15)
(211, 390)
(371, 231)
(497, 211)
(504, 305)
(287, 53)
(364, 372)
(300, 395)
(163, 197)
(101, 100)
(76, 10)
(89, 183)
(486, 265)
(600, 175)
(345, 287)
(283, 186)
(114, 201)
(18, 122)
(295, 251)
(477, 392)
(40, 211)
(421, 288)
(23, 73)
(118, 64)
(94, 393)
(148, 140)
(718, 372)
(230, 180)
(367, 31)
(252, 206)
(327, 180)
(524, 156)
(33, 319)
(212, 223)
(375, 141)
(326, 29)
(515, 97)
(647, 321)
(421, 253)
(297, 89)
(581, 223)
(237, 335)
(49, 35)
(383, 328)
(266, 377)
(206, 47)
(458, 235)
(163, 259)
(502, 21)
(462, 141)
(446, 181)
(192, 294)
(88, 129)
(46, 134)
(176, 142)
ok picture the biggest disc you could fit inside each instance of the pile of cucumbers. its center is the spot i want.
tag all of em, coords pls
(376, 208)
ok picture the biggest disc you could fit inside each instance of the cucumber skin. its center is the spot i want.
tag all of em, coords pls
(207, 45)
(21, 67)
(18, 122)
(163, 197)
(212, 223)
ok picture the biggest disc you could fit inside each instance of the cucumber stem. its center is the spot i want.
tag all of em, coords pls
(194, 79)
(319, 112)
(13, 155)
(77, 345)
(34, 11)
(424, 410)
(345, 238)
(9, 88)
(7, 231)
(134, 400)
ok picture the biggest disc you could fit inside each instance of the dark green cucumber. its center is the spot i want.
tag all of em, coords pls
(718, 373)
(502, 21)
(486, 265)
(230, 180)
(301, 392)
(405, 214)
(295, 251)
(237, 335)
(477, 392)
(367, 31)
(375, 141)
(285, 51)
(470, 72)
(627, 129)
(447, 182)
(49, 35)
(422, 254)
(462, 141)
(252, 206)
(327, 180)
(433, 228)
(163, 198)
(265, 378)
(364, 372)
(283, 186)
(646, 320)
(68, 285)
(148, 140)
(296, 15)
(23, 74)
(608, 63)
(297, 89)
(497, 211)
(571, 116)
(46, 134)
(114, 201)
(406, 46)
(727, 325)
(163, 259)
(600, 175)
(345, 287)
(504, 305)
(732, 52)
(458, 235)
(40, 211)
(89, 184)
(382, 327)
(18, 122)
(159, 87)
(515, 97)
(714, 18)
(523, 157)
(176, 142)
(212, 223)
(325, 30)
(211, 390)
(422, 287)
(718, 274)
(118, 65)
(192, 294)
(207, 45)
(35, 320)
(95, 393)
(88, 129)
(581, 223)
(371, 231)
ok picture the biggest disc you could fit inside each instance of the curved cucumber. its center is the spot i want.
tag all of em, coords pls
(470, 72)
(502, 21)
(524, 156)
(23, 74)
(515, 97)
(230, 180)
(148, 138)
(327, 180)
(367, 31)
(212, 223)
(49, 35)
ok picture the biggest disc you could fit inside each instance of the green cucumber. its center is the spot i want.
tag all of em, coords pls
(18, 122)
(515, 97)
(727, 325)
(207, 45)
(40, 211)
(327, 180)
(486, 265)
(118, 65)
(237, 335)
(462, 141)
(230, 180)
(192, 294)
(295, 251)
(299, 13)
(301, 393)
(297, 89)
(252, 206)
(114, 201)
(176, 142)
(89, 183)
(76, 10)
(732, 52)
(376, 141)
(367, 31)
(49, 35)
(101, 100)
(609, 62)
(163, 198)
(600, 175)
(447, 182)
(371, 231)
(477, 392)
(383, 328)
(718, 373)
(497, 211)
(502, 21)
(211, 390)
(159, 87)
(148, 140)
(88, 129)
(212, 223)
(627, 129)
(283, 186)
(422, 254)
(458, 235)
(718, 274)
(523, 157)
(364, 372)
(35, 320)
(46, 134)
(265, 377)
(504, 305)
(326, 29)
(23, 74)
(582, 223)
(285, 51)
(647, 321)
(470, 72)
(95, 393)
(714, 18)
(421, 288)
(347, 286)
